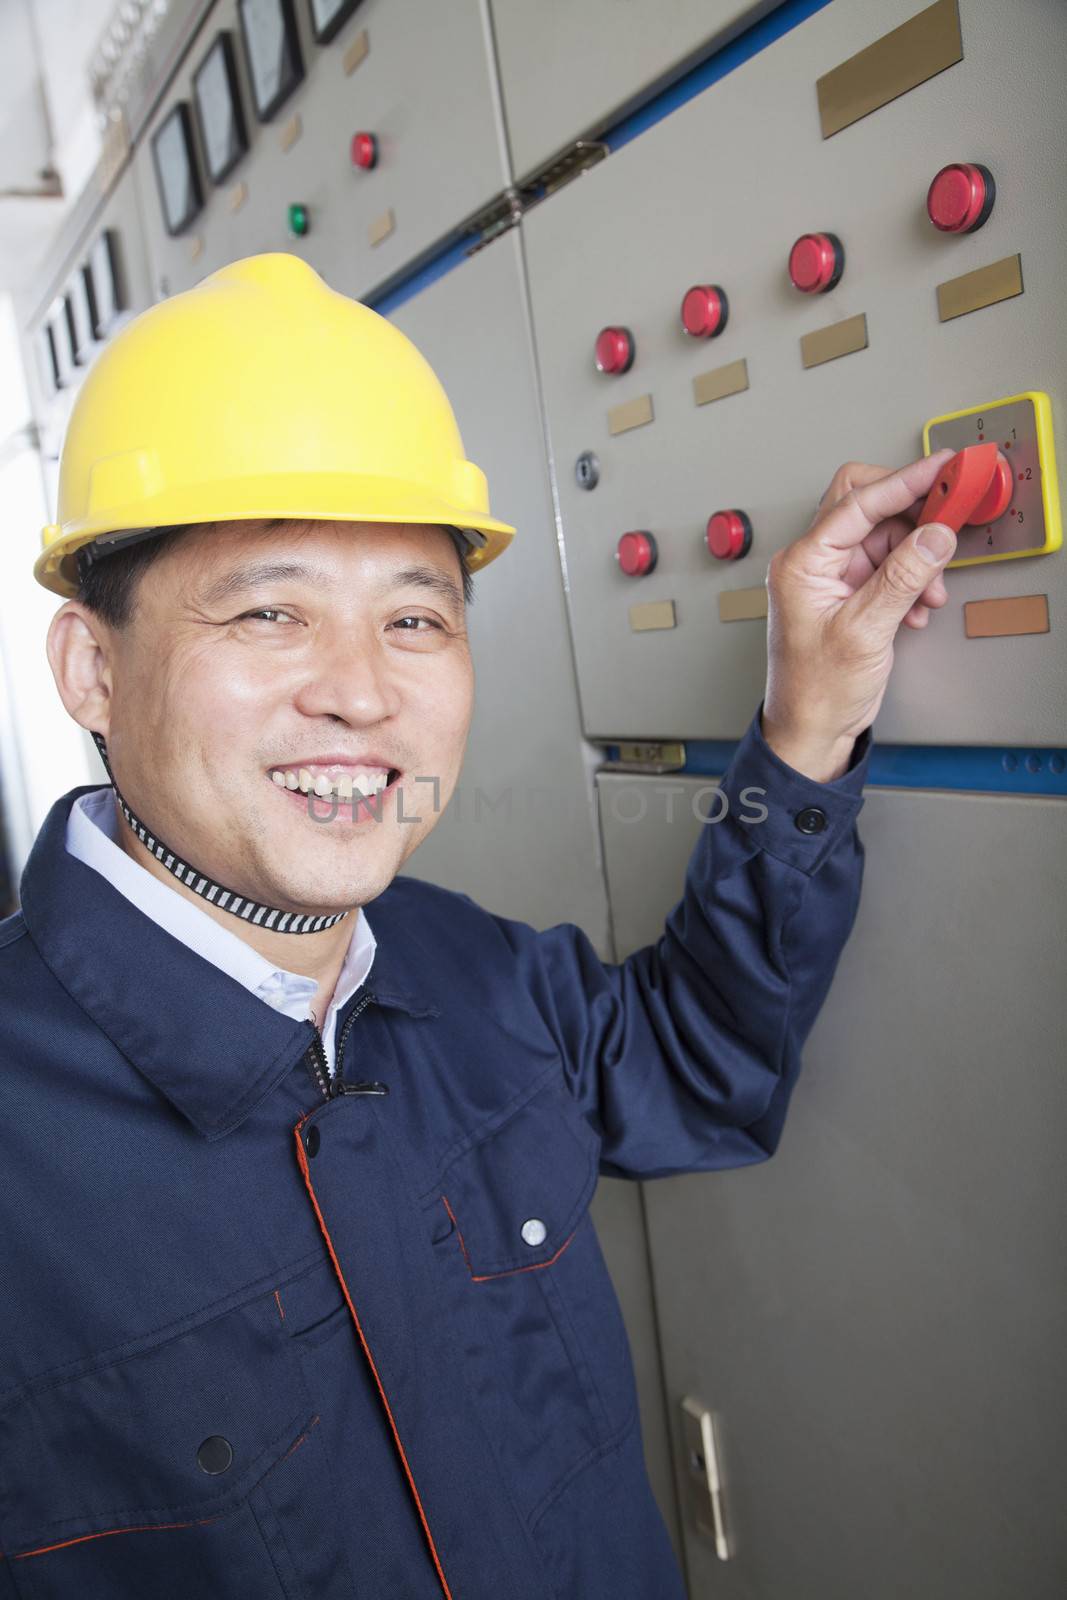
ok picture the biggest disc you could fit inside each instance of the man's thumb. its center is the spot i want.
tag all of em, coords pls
(906, 571)
(934, 543)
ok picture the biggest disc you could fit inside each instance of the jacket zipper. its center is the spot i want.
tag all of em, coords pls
(315, 1056)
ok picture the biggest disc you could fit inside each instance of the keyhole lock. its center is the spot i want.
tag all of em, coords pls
(587, 470)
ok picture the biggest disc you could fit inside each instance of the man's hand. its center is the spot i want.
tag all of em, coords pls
(837, 596)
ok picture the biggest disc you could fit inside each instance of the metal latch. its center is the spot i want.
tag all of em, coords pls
(703, 1474)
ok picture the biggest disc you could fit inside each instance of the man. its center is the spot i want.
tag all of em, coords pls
(303, 1295)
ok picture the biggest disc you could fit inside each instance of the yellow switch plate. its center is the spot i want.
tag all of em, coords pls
(1022, 425)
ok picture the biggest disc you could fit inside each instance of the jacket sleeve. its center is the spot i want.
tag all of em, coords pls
(684, 1056)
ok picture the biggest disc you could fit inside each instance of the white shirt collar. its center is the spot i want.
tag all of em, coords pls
(92, 836)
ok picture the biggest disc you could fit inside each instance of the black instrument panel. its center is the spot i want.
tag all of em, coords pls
(223, 134)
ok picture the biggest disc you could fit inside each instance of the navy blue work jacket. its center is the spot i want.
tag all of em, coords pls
(260, 1341)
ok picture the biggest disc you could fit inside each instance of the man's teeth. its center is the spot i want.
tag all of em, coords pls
(364, 783)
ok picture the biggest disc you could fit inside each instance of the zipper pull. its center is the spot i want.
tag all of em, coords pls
(364, 1087)
(315, 1056)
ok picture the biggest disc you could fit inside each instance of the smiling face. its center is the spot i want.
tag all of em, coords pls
(260, 662)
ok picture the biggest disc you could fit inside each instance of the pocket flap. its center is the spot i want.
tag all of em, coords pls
(173, 1433)
(517, 1196)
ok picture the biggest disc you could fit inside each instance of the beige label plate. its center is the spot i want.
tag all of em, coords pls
(720, 382)
(238, 196)
(652, 614)
(356, 52)
(291, 132)
(1006, 616)
(983, 287)
(653, 755)
(381, 227)
(842, 339)
(631, 414)
(912, 54)
(742, 605)
(196, 248)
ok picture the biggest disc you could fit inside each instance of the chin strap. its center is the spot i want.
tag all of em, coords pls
(207, 888)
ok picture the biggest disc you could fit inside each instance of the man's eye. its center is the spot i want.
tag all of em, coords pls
(429, 621)
(271, 613)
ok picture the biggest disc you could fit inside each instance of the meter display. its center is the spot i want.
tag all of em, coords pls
(103, 286)
(79, 316)
(49, 361)
(59, 330)
(275, 66)
(176, 174)
(327, 17)
(218, 109)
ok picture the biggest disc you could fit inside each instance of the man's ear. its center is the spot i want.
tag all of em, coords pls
(79, 649)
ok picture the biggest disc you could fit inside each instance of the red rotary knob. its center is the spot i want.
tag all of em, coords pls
(364, 150)
(614, 350)
(705, 310)
(961, 197)
(729, 535)
(997, 497)
(636, 554)
(816, 262)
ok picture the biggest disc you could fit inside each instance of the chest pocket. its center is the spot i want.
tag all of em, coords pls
(161, 1473)
(524, 1279)
(517, 1196)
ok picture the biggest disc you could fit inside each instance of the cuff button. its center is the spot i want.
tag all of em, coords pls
(811, 820)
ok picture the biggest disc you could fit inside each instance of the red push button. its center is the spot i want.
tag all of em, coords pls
(364, 150)
(614, 350)
(704, 310)
(729, 535)
(961, 197)
(816, 262)
(636, 554)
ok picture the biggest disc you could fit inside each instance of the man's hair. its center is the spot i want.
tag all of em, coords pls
(108, 585)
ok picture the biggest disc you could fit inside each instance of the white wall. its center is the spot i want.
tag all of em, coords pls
(42, 752)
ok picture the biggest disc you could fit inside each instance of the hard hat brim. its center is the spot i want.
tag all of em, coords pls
(309, 497)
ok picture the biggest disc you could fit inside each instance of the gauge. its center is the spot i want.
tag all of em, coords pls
(59, 332)
(80, 319)
(218, 109)
(176, 174)
(272, 48)
(48, 360)
(327, 17)
(103, 284)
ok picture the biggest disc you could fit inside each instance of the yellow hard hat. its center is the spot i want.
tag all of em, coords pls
(261, 393)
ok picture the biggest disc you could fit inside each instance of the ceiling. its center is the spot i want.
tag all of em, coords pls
(47, 123)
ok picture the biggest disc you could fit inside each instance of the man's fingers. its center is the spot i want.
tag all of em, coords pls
(895, 591)
(864, 506)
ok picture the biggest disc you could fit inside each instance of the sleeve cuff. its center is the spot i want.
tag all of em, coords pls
(786, 813)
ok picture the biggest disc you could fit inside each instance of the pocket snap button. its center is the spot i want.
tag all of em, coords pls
(215, 1455)
(534, 1231)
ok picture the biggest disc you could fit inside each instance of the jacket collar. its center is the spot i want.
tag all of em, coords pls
(210, 1046)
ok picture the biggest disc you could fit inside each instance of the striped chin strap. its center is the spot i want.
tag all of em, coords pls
(207, 888)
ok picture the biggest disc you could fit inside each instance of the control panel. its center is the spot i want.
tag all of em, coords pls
(897, 259)
(356, 136)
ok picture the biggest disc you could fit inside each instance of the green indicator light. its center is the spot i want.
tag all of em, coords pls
(299, 221)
